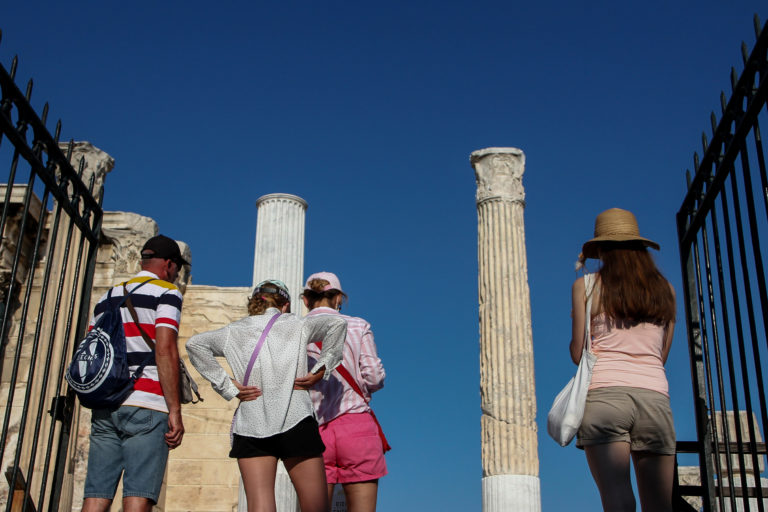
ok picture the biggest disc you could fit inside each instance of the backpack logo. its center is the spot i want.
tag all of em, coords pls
(95, 358)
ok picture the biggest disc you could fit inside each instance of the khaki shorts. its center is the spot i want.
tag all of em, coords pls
(637, 416)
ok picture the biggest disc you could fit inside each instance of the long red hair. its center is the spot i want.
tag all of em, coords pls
(632, 290)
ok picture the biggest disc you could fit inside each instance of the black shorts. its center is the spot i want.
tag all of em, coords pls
(303, 440)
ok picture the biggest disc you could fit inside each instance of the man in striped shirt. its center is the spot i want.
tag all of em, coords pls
(134, 439)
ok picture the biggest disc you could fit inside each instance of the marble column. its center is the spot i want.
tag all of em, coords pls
(280, 242)
(508, 396)
(279, 254)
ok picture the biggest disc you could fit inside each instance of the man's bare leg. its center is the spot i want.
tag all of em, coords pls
(137, 504)
(96, 504)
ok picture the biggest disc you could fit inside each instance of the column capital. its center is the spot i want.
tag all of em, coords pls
(499, 174)
(96, 163)
(284, 197)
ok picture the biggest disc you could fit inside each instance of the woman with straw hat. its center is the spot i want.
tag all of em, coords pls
(627, 414)
(267, 352)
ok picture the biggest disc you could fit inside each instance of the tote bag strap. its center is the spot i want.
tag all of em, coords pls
(590, 282)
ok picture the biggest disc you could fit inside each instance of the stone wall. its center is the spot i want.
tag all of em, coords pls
(200, 475)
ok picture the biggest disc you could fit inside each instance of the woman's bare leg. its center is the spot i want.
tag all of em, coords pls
(330, 496)
(259, 481)
(655, 474)
(609, 464)
(361, 496)
(308, 477)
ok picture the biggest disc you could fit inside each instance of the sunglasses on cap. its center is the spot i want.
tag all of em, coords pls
(275, 286)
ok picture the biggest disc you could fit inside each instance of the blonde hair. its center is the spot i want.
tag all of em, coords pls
(262, 301)
(316, 293)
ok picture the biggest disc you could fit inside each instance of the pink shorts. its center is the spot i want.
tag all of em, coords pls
(353, 450)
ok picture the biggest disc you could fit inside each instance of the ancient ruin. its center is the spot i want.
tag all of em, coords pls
(508, 394)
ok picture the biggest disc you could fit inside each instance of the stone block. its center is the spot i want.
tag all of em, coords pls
(203, 447)
(213, 420)
(210, 472)
(200, 498)
(744, 431)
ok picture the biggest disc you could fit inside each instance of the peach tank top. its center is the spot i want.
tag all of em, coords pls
(628, 357)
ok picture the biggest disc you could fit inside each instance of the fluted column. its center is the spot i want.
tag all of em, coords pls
(508, 395)
(279, 254)
(280, 242)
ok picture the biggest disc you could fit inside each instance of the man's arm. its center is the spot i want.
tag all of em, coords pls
(167, 358)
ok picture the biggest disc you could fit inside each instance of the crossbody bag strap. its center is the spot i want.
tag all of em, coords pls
(356, 388)
(127, 294)
(346, 375)
(135, 317)
(249, 368)
(258, 348)
(127, 302)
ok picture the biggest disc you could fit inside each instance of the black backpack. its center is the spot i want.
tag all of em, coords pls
(99, 372)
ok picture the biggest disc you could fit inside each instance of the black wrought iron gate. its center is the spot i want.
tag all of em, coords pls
(721, 225)
(50, 225)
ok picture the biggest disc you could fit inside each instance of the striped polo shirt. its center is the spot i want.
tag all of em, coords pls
(157, 304)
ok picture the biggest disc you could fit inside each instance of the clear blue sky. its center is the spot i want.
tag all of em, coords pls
(369, 112)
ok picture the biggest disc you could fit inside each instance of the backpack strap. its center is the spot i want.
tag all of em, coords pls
(126, 293)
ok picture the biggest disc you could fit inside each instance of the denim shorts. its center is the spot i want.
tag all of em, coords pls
(131, 440)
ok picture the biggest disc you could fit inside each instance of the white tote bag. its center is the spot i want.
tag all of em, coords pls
(567, 411)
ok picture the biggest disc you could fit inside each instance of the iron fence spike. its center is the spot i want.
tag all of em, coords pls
(744, 52)
(70, 145)
(14, 65)
(44, 117)
(723, 102)
(57, 132)
(713, 122)
(696, 162)
(704, 143)
(28, 93)
(757, 26)
(688, 178)
(81, 167)
(734, 78)
(1, 35)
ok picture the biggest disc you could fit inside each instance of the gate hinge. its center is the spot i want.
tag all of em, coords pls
(59, 410)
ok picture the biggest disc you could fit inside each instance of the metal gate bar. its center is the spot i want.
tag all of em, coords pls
(726, 298)
(40, 327)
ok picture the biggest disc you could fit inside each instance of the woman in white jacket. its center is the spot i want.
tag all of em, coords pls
(275, 419)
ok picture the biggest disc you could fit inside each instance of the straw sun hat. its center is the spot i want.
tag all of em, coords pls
(615, 225)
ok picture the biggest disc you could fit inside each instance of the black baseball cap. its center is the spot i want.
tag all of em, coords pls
(161, 246)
